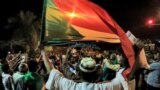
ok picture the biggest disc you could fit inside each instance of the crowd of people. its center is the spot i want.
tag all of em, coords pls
(77, 69)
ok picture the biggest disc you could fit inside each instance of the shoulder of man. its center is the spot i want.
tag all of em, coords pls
(20, 84)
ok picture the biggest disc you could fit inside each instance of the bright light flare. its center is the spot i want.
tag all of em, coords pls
(150, 22)
(72, 14)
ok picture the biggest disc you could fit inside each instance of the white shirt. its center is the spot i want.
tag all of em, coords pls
(56, 81)
(7, 81)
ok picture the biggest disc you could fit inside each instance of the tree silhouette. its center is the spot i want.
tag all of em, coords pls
(26, 30)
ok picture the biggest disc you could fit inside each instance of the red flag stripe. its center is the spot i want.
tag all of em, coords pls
(86, 16)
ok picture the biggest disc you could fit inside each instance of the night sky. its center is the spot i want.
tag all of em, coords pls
(129, 14)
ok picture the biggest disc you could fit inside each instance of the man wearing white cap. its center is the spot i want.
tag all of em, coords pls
(88, 69)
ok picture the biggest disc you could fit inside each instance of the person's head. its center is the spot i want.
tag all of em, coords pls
(32, 65)
(73, 56)
(113, 56)
(23, 67)
(3, 61)
(5, 68)
(87, 69)
(74, 52)
(99, 58)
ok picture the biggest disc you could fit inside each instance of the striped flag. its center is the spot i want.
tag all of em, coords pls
(82, 20)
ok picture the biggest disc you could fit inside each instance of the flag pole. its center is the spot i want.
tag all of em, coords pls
(42, 33)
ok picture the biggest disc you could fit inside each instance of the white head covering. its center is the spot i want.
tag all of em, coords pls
(87, 64)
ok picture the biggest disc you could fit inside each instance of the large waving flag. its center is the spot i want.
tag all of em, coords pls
(80, 20)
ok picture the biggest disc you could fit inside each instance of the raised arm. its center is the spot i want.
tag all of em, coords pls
(114, 67)
(47, 64)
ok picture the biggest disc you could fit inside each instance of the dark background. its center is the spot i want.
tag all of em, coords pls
(129, 14)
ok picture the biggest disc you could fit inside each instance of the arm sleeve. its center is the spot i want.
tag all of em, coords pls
(114, 67)
(52, 76)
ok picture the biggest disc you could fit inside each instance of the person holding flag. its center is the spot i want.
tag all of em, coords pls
(82, 20)
(89, 74)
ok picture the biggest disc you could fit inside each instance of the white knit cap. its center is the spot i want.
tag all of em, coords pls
(87, 64)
